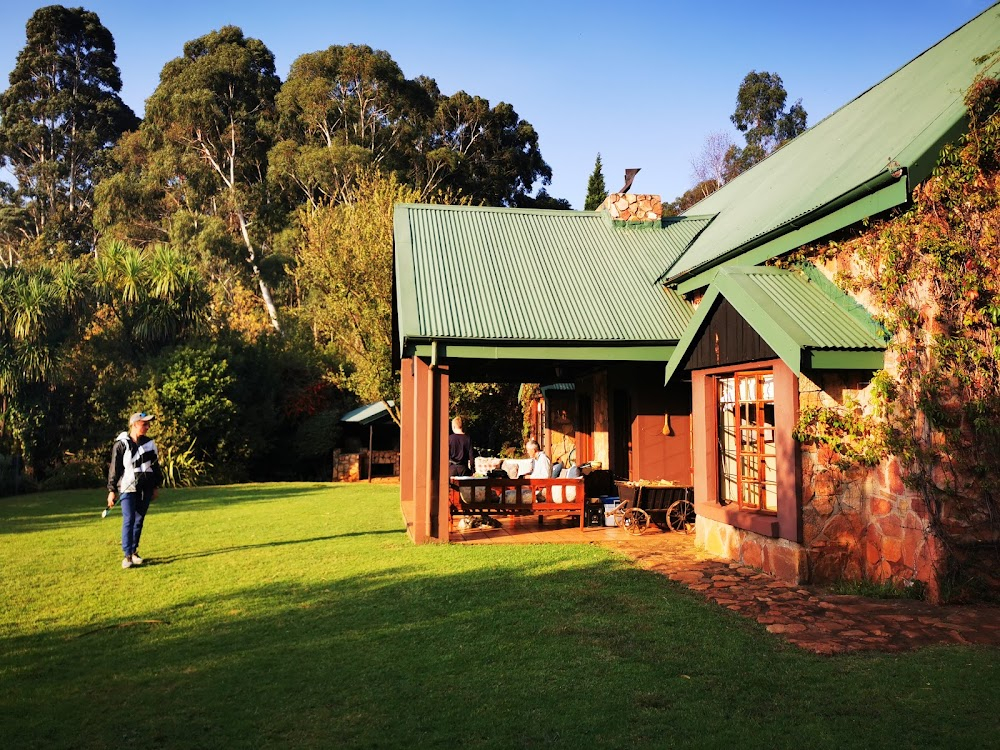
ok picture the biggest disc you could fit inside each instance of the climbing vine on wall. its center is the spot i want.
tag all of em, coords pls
(858, 437)
(933, 276)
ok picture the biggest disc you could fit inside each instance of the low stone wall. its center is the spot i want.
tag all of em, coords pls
(346, 467)
(353, 467)
(785, 560)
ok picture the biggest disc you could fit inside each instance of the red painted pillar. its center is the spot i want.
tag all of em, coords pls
(407, 446)
(424, 454)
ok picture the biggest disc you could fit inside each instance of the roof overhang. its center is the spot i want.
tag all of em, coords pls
(369, 413)
(780, 322)
(577, 351)
(883, 192)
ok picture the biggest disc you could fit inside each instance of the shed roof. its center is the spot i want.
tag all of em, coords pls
(798, 313)
(504, 276)
(901, 122)
(369, 413)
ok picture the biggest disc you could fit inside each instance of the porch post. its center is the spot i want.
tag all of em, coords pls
(407, 446)
(424, 454)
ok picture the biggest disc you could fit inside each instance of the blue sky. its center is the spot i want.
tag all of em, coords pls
(642, 83)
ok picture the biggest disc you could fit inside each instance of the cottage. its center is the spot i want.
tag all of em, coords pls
(693, 344)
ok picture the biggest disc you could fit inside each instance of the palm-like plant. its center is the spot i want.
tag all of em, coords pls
(155, 293)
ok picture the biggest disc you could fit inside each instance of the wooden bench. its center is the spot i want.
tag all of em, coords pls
(472, 496)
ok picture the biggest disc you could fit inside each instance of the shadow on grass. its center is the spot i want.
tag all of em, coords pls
(510, 649)
(167, 559)
(28, 513)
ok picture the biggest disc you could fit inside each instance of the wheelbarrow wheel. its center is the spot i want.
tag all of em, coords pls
(680, 516)
(635, 521)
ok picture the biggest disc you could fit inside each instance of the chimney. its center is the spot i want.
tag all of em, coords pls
(631, 208)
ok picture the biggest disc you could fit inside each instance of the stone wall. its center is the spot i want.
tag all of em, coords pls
(353, 467)
(346, 467)
(861, 522)
(785, 560)
(633, 208)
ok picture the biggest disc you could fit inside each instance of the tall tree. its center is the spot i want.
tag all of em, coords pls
(208, 126)
(344, 268)
(762, 118)
(596, 192)
(350, 107)
(58, 119)
(341, 109)
(711, 166)
(700, 191)
(488, 154)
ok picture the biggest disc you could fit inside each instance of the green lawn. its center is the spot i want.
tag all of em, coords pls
(299, 615)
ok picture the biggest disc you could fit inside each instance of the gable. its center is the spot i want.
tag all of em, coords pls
(805, 323)
(727, 339)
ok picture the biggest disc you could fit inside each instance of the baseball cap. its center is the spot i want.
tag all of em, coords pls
(140, 416)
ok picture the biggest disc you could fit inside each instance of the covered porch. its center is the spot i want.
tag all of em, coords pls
(620, 415)
(547, 297)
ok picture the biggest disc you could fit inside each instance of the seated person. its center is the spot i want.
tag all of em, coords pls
(562, 463)
(541, 467)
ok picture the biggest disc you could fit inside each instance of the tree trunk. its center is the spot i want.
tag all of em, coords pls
(265, 292)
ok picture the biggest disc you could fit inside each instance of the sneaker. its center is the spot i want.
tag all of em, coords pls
(127, 563)
(136, 560)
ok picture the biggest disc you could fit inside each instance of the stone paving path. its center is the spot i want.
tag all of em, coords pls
(807, 616)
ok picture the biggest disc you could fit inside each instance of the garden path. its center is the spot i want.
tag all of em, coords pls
(809, 617)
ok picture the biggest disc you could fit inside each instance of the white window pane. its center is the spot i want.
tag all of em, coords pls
(768, 388)
(726, 390)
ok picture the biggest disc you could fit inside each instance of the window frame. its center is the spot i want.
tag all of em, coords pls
(763, 432)
(786, 523)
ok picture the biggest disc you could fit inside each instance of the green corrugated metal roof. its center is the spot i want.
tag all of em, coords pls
(904, 119)
(477, 274)
(796, 316)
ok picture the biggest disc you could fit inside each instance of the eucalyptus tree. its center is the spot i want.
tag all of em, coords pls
(341, 109)
(206, 135)
(58, 119)
(762, 118)
(350, 107)
(485, 153)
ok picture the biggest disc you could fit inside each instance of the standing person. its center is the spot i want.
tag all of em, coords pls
(134, 475)
(460, 453)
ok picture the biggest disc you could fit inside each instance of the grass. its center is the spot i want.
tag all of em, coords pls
(878, 589)
(299, 615)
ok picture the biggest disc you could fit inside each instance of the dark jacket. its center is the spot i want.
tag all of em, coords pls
(460, 452)
(138, 459)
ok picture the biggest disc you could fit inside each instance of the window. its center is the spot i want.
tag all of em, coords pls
(747, 455)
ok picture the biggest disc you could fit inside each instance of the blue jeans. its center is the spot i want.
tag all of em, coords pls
(134, 507)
